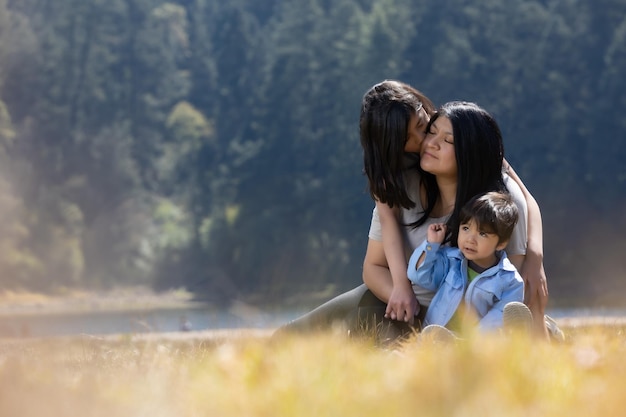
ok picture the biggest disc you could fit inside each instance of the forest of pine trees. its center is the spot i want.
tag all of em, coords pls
(213, 145)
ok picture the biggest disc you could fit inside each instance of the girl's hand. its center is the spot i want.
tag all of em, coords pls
(402, 304)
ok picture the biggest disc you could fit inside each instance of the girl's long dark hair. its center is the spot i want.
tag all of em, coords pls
(479, 153)
(386, 111)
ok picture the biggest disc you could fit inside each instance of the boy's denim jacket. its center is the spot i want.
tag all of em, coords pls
(444, 270)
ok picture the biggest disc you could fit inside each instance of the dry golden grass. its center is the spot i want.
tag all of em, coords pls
(316, 375)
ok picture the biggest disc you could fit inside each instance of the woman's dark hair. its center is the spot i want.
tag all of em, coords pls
(479, 154)
(493, 212)
(386, 111)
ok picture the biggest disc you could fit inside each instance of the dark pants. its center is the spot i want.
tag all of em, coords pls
(359, 312)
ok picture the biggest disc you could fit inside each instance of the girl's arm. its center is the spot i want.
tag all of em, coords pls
(384, 268)
(531, 270)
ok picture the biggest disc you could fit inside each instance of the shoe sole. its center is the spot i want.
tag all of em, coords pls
(517, 316)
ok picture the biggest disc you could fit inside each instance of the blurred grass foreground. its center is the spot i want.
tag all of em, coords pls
(316, 375)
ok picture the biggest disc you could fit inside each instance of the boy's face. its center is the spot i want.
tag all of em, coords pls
(479, 245)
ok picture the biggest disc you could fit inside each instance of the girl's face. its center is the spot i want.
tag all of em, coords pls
(438, 155)
(417, 131)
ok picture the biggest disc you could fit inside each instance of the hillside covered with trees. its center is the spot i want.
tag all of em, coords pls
(213, 145)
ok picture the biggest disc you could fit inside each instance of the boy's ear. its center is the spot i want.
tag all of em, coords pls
(502, 245)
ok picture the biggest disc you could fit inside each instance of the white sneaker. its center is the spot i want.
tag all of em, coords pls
(517, 317)
(555, 333)
(435, 333)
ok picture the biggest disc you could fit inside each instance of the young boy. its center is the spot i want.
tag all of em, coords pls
(476, 277)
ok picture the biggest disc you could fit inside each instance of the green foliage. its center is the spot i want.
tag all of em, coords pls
(18, 263)
(189, 134)
(214, 144)
(188, 124)
(7, 132)
(172, 230)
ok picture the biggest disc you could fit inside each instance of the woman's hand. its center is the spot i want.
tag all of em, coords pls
(535, 286)
(402, 304)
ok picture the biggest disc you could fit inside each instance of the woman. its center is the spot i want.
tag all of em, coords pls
(392, 126)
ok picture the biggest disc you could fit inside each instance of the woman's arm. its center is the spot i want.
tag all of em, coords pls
(384, 268)
(531, 269)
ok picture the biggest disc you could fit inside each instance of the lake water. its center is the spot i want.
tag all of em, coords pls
(174, 319)
(144, 321)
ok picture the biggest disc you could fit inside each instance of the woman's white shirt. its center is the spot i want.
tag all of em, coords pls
(413, 237)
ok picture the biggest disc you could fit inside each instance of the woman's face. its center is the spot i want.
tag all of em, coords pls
(437, 155)
(417, 131)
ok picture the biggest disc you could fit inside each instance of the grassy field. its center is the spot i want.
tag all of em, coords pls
(316, 375)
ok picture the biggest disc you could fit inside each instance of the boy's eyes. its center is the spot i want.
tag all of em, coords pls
(480, 233)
